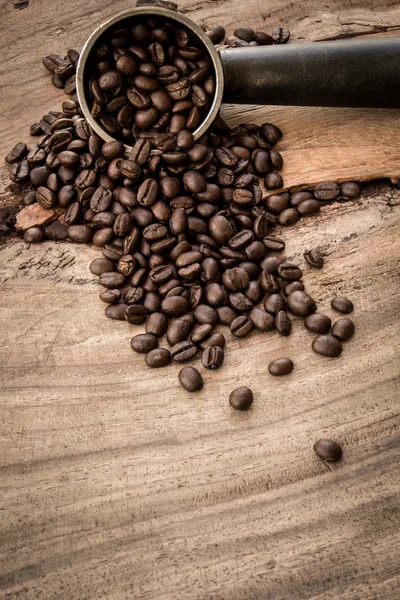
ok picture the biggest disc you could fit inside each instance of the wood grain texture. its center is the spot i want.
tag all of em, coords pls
(115, 483)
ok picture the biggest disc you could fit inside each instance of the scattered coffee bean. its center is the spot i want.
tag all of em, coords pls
(342, 305)
(301, 304)
(281, 366)
(159, 357)
(33, 235)
(327, 346)
(241, 398)
(328, 450)
(144, 343)
(212, 357)
(314, 258)
(318, 323)
(190, 379)
(343, 329)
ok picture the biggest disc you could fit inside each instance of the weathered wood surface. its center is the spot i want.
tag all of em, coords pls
(117, 484)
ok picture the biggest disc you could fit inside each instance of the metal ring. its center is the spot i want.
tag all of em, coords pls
(148, 12)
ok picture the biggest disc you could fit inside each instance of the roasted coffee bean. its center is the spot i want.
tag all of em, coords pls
(261, 320)
(308, 207)
(110, 297)
(45, 197)
(183, 351)
(350, 190)
(241, 326)
(111, 280)
(314, 258)
(283, 323)
(269, 283)
(318, 323)
(205, 314)
(80, 233)
(116, 311)
(263, 39)
(133, 294)
(254, 292)
(101, 200)
(241, 398)
(98, 266)
(33, 235)
(159, 357)
(178, 330)
(235, 279)
(135, 314)
(240, 302)
(343, 329)
(273, 243)
(161, 274)
(190, 379)
(326, 191)
(274, 303)
(342, 305)
(19, 152)
(144, 343)
(200, 332)
(156, 324)
(277, 203)
(281, 366)
(293, 286)
(301, 304)
(212, 357)
(19, 171)
(327, 345)
(289, 272)
(287, 217)
(226, 315)
(174, 306)
(281, 35)
(328, 450)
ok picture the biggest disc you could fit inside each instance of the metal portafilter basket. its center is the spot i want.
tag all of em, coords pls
(364, 74)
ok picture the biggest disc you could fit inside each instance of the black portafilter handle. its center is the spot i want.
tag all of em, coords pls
(364, 74)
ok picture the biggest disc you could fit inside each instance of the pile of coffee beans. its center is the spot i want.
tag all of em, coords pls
(185, 227)
(149, 75)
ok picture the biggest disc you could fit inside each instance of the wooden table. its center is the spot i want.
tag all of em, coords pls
(115, 483)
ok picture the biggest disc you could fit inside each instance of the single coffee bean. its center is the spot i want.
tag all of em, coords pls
(156, 324)
(183, 351)
(343, 329)
(212, 357)
(221, 229)
(226, 315)
(318, 323)
(33, 235)
(98, 266)
(292, 287)
(301, 304)
(45, 197)
(159, 357)
(111, 280)
(144, 343)
(283, 323)
(350, 190)
(326, 191)
(261, 320)
(190, 379)
(178, 330)
(116, 311)
(281, 35)
(235, 279)
(269, 283)
(273, 243)
(110, 297)
(314, 258)
(19, 152)
(241, 326)
(342, 305)
(288, 217)
(215, 339)
(82, 234)
(281, 366)
(135, 314)
(327, 345)
(241, 398)
(240, 302)
(308, 207)
(274, 303)
(328, 450)
(205, 314)
(174, 306)
(289, 272)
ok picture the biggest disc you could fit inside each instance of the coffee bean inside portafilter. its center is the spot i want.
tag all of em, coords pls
(149, 75)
